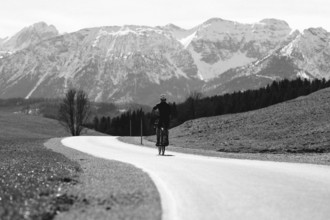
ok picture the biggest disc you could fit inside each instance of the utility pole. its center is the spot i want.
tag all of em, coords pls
(141, 130)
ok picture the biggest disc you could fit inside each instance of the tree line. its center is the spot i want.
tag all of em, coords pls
(278, 91)
(197, 106)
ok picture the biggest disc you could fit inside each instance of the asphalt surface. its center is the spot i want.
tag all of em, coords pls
(199, 187)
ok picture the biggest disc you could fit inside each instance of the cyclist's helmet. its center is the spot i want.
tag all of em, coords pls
(162, 97)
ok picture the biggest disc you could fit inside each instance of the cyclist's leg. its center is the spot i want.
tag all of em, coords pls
(163, 150)
(158, 136)
(166, 141)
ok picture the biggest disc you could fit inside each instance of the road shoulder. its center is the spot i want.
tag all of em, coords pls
(108, 189)
(311, 158)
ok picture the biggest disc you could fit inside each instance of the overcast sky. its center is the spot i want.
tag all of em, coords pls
(72, 15)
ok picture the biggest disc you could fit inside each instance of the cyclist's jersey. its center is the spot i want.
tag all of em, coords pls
(164, 114)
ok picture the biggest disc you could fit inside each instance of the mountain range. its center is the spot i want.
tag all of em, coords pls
(137, 63)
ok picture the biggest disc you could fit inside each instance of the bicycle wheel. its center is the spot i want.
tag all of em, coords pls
(162, 140)
(158, 140)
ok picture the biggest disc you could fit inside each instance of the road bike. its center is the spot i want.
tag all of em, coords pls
(162, 137)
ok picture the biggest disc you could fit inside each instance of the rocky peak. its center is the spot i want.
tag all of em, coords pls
(173, 27)
(215, 20)
(318, 33)
(272, 22)
(28, 36)
(313, 41)
(128, 39)
(42, 28)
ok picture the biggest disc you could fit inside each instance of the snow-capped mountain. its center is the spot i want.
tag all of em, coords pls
(310, 52)
(305, 55)
(122, 64)
(218, 45)
(137, 63)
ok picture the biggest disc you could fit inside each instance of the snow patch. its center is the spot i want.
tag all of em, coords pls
(302, 74)
(287, 50)
(199, 74)
(273, 78)
(6, 39)
(125, 31)
(124, 99)
(187, 40)
(36, 86)
(208, 71)
(261, 60)
(177, 70)
(98, 97)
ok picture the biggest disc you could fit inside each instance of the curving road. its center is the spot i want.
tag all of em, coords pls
(198, 187)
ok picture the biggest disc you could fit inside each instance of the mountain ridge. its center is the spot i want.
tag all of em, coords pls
(133, 63)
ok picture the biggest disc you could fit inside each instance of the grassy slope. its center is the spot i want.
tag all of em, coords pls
(298, 126)
(35, 182)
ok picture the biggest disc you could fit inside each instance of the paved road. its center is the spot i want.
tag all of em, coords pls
(197, 187)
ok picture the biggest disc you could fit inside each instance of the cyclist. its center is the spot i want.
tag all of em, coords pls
(163, 123)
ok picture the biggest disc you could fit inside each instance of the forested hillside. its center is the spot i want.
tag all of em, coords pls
(197, 106)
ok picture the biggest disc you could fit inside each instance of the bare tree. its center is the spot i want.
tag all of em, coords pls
(74, 111)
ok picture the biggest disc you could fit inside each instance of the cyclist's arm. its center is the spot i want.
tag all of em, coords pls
(155, 107)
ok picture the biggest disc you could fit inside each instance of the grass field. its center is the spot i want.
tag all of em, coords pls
(297, 126)
(39, 183)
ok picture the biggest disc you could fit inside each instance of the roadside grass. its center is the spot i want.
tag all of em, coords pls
(21, 126)
(31, 178)
(35, 181)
